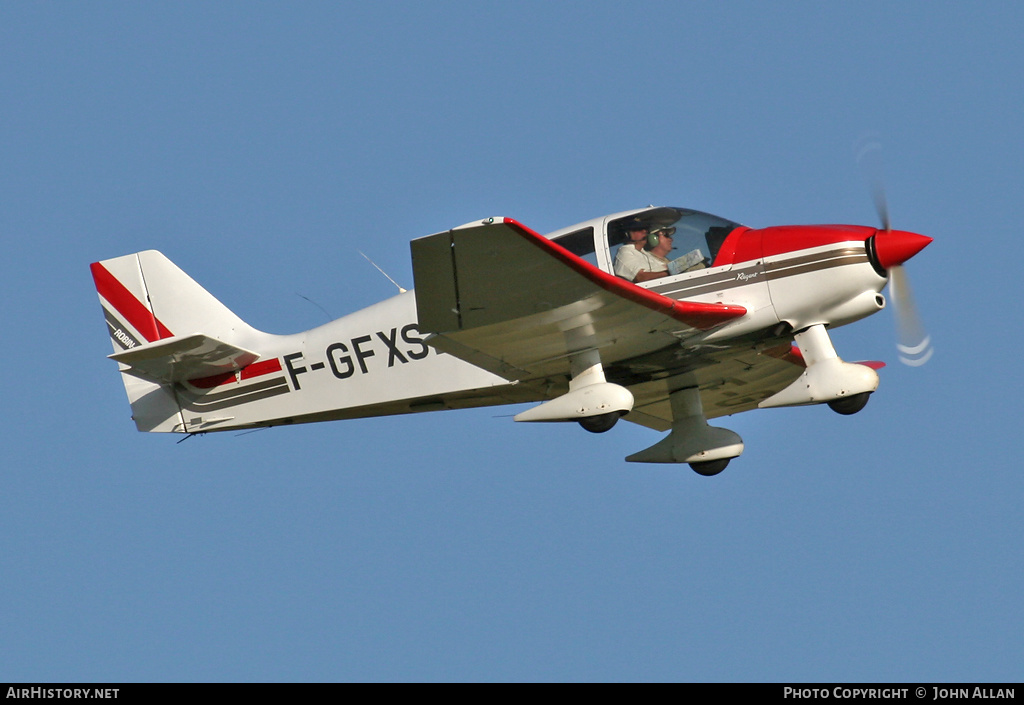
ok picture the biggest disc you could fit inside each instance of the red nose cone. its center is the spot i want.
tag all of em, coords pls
(895, 247)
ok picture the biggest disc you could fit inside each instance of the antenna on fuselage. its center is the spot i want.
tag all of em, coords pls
(326, 312)
(400, 289)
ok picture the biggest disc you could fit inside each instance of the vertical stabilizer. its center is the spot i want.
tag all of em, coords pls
(146, 298)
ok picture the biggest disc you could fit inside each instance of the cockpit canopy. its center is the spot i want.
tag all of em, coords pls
(697, 234)
(694, 230)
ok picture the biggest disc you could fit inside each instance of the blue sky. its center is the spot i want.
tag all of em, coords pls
(260, 146)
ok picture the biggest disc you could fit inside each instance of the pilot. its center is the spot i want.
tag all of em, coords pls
(634, 262)
(663, 239)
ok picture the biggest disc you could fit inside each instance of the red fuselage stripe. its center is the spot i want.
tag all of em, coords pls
(133, 310)
(264, 367)
(256, 369)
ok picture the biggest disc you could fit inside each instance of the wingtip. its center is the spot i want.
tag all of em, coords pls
(705, 316)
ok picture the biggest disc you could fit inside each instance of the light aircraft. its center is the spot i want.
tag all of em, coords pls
(503, 315)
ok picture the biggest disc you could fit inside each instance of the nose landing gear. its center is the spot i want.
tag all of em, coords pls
(845, 386)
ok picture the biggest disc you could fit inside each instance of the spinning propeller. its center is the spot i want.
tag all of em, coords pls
(889, 249)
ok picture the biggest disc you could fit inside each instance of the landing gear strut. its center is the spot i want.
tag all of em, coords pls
(594, 402)
(707, 449)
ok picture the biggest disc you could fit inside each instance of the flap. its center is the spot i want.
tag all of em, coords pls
(184, 357)
(501, 296)
(730, 381)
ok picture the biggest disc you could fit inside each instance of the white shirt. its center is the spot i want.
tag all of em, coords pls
(629, 261)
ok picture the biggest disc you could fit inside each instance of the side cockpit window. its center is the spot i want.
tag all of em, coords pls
(580, 243)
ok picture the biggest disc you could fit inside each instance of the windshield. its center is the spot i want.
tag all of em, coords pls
(697, 236)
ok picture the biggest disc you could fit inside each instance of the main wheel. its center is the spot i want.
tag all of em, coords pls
(708, 468)
(601, 422)
(849, 405)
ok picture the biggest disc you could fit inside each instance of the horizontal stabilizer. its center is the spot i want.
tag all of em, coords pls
(184, 357)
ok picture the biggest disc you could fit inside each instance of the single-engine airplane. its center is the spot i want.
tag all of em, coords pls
(503, 315)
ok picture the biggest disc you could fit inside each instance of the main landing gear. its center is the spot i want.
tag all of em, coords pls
(597, 404)
(591, 400)
(845, 387)
(707, 449)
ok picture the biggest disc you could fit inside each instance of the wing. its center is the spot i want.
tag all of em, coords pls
(502, 297)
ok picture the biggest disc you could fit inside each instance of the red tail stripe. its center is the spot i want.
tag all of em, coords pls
(124, 301)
